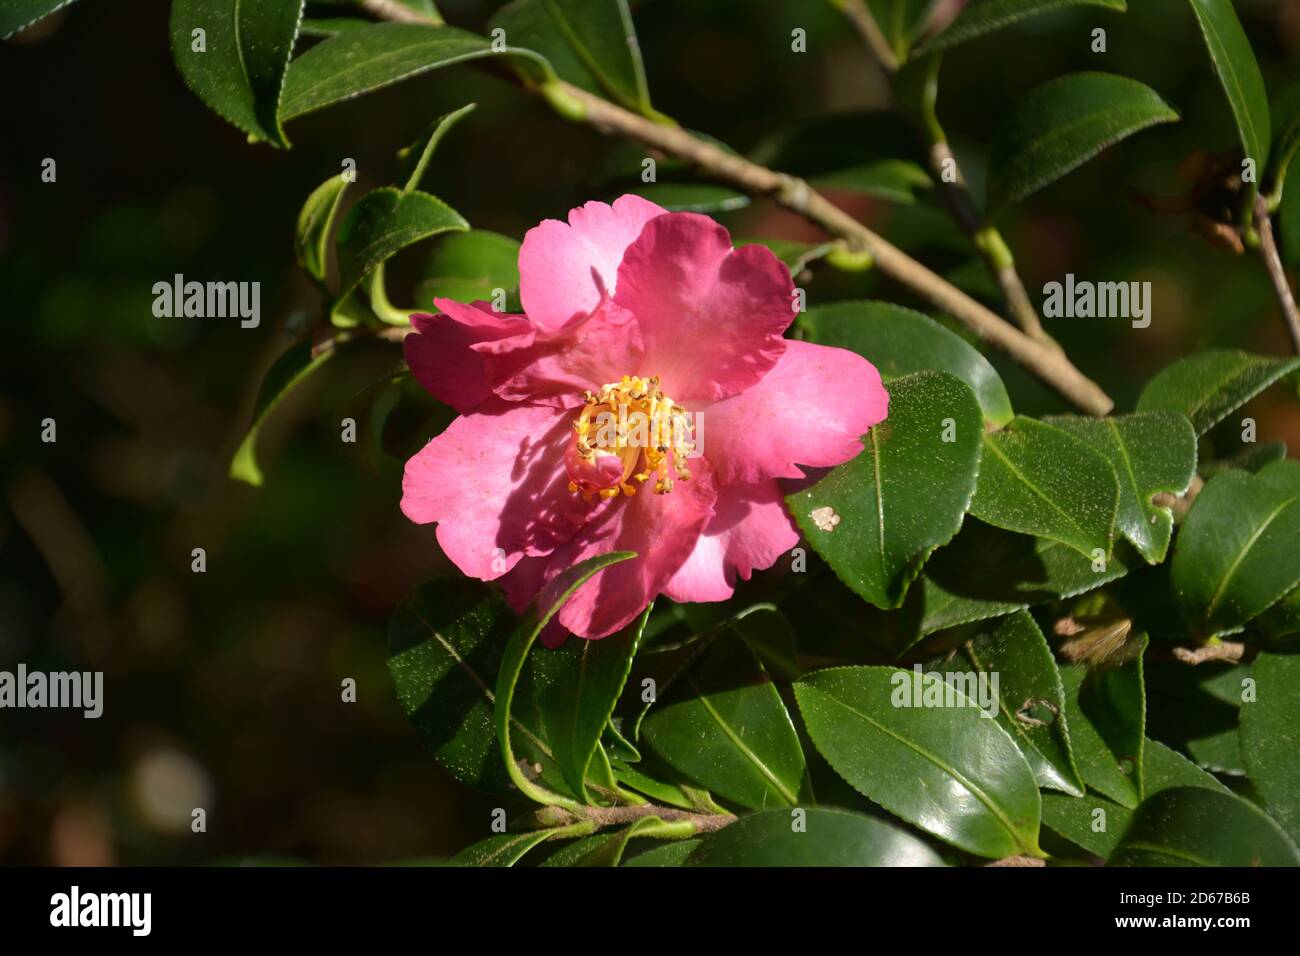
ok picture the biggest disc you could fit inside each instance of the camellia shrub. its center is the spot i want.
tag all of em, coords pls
(749, 581)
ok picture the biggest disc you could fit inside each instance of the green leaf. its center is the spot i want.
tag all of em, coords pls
(670, 854)
(724, 726)
(20, 14)
(900, 341)
(980, 17)
(1059, 126)
(1106, 712)
(1282, 620)
(1151, 452)
(897, 180)
(384, 222)
(1030, 696)
(314, 224)
(1207, 386)
(1270, 737)
(469, 267)
(1236, 554)
(1251, 458)
(1018, 571)
(1193, 826)
(1197, 709)
(590, 43)
(547, 603)
(579, 683)
(904, 495)
(1040, 480)
(946, 769)
(445, 646)
(288, 372)
(816, 836)
(901, 21)
(1234, 62)
(355, 62)
(1288, 218)
(692, 197)
(237, 64)
(1077, 818)
(1285, 114)
(503, 849)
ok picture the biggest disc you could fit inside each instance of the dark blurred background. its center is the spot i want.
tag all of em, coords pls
(223, 688)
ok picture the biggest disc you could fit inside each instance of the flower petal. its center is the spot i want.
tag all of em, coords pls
(556, 367)
(440, 350)
(495, 483)
(661, 529)
(749, 531)
(565, 269)
(711, 317)
(812, 408)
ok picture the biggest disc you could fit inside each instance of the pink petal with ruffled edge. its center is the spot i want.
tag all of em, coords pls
(440, 350)
(811, 409)
(495, 483)
(565, 267)
(749, 531)
(555, 368)
(711, 317)
(661, 529)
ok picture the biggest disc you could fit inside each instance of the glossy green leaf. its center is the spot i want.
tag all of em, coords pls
(1030, 696)
(1197, 709)
(1238, 71)
(1151, 452)
(1252, 457)
(314, 224)
(355, 62)
(234, 55)
(289, 371)
(1106, 711)
(724, 726)
(469, 267)
(502, 849)
(705, 198)
(1282, 620)
(579, 683)
(947, 769)
(1208, 385)
(898, 180)
(1038, 479)
(816, 836)
(1194, 826)
(980, 17)
(1017, 571)
(590, 43)
(383, 223)
(904, 495)
(1236, 554)
(1097, 824)
(1270, 737)
(545, 606)
(20, 14)
(670, 854)
(445, 646)
(1059, 126)
(901, 341)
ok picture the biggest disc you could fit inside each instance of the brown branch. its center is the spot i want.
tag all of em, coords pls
(1273, 262)
(1230, 651)
(617, 816)
(1044, 360)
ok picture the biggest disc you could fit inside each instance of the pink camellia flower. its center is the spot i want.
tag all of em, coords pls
(646, 401)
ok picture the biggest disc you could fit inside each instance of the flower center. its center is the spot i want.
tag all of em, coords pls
(625, 435)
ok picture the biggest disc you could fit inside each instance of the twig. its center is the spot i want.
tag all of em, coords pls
(1018, 861)
(1230, 651)
(617, 816)
(1180, 504)
(859, 14)
(1276, 272)
(1045, 361)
